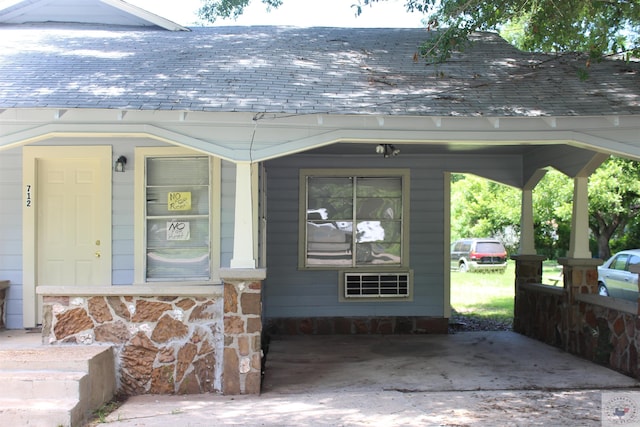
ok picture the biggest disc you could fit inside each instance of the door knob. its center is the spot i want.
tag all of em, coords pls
(98, 254)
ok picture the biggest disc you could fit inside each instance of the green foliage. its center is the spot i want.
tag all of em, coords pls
(482, 208)
(594, 27)
(214, 9)
(614, 205)
(553, 205)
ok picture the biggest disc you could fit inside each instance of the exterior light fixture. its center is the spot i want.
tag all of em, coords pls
(387, 150)
(122, 160)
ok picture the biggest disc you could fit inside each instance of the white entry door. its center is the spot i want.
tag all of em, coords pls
(69, 204)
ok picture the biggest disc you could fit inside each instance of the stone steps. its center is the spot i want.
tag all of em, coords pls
(54, 385)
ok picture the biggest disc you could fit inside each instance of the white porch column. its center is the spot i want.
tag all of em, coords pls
(527, 233)
(527, 240)
(579, 245)
(243, 232)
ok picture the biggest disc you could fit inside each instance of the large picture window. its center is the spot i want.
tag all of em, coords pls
(176, 208)
(354, 220)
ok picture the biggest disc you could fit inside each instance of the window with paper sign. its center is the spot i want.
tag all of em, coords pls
(178, 206)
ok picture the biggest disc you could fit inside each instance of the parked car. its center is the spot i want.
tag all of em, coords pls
(475, 254)
(614, 277)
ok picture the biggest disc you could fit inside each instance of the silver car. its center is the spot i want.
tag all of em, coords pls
(615, 279)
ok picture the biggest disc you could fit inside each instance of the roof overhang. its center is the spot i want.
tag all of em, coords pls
(111, 12)
(569, 144)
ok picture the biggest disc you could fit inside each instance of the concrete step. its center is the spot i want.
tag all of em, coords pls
(41, 412)
(61, 358)
(54, 385)
(42, 384)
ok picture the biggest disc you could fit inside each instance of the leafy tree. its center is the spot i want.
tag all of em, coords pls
(483, 208)
(214, 9)
(596, 27)
(614, 203)
(552, 210)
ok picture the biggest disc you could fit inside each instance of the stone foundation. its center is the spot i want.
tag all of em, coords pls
(162, 344)
(358, 325)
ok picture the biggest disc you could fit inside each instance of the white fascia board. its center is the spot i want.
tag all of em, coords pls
(145, 15)
(66, 130)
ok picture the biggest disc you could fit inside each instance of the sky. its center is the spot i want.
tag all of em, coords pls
(301, 13)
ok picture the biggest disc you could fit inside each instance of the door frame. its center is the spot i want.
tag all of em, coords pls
(30, 157)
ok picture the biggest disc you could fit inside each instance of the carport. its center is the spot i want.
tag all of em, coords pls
(467, 361)
(469, 378)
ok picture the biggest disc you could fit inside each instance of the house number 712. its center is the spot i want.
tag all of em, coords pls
(28, 196)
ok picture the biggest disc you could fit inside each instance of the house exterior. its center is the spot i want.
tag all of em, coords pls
(180, 193)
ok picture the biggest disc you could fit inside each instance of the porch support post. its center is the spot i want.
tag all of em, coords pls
(580, 276)
(528, 270)
(527, 240)
(579, 244)
(242, 363)
(243, 233)
(527, 232)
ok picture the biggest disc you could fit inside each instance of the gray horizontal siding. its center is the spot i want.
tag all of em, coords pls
(123, 189)
(290, 292)
(11, 233)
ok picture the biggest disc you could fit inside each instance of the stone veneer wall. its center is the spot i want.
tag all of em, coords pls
(608, 336)
(538, 313)
(576, 319)
(162, 344)
(358, 325)
(242, 371)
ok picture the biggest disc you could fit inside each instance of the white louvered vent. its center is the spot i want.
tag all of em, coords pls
(376, 285)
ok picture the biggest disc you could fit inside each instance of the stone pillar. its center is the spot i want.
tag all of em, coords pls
(242, 364)
(580, 276)
(528, 270)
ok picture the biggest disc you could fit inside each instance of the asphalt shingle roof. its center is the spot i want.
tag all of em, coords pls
(298, 71)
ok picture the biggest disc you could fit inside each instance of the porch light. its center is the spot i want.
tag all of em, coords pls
(122, 160)
(387, 150)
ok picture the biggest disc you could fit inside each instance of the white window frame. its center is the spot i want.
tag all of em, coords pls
(140, 229)
(404, 174)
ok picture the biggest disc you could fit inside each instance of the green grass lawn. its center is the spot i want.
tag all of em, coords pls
(488, 295)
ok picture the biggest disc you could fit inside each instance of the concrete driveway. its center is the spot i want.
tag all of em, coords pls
(470, 378)
(428, 363)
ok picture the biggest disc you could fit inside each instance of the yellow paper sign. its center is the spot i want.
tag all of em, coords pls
(179, 201)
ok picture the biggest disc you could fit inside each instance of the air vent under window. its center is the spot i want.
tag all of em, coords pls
(376, 285)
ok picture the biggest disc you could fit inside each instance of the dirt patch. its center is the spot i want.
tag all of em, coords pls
(460, 322)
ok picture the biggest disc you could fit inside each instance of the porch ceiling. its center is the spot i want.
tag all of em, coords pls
(572, 161)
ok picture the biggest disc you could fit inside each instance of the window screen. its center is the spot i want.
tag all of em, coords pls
(177, 218)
